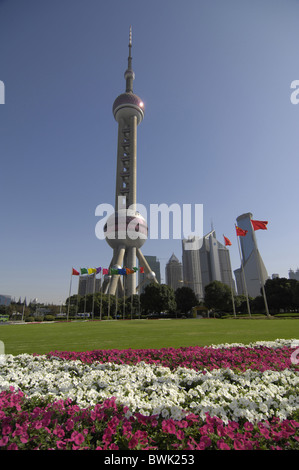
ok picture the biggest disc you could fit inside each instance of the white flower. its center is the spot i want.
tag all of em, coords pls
(154, 389)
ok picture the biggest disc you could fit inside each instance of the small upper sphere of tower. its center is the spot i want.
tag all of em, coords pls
(128, 104)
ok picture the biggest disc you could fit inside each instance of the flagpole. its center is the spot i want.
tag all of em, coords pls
(108, 305)
(77, 304)
(94, 286)
(244, 280)
(124, 305)
(23, 311)
(68, 309)
(260, 271)
(101, 294)
(233, 300)
(231, 288)
(116, 303)
(86, 278)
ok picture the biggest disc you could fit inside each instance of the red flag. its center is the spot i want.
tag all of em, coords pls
(241, 232)
(259, 225)
(142, 270)
(227, 241)
(105, 271)
(75, 273)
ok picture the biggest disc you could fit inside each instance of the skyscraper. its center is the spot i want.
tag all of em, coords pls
(155, 266)
(254, 269)
(88, 284)
(209, 261)
(191, 265)
(174, 272)
(126, 230)
(293, 274)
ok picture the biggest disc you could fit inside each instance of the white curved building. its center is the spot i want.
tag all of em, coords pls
(254, 269)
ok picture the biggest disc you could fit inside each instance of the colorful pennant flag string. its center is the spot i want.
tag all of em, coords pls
(123, 271)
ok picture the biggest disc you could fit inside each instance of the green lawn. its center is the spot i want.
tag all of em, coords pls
(86, 336)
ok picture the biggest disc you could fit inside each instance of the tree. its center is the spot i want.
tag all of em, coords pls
(185, 299)
(296, 295)
(218, 296)
(280, 293)
(158, 298)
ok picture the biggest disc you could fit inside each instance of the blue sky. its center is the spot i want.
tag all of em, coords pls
(219, 127)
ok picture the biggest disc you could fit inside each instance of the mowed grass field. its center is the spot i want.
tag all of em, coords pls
(141, 334)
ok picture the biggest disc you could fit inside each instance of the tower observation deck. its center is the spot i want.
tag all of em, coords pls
(126, 230)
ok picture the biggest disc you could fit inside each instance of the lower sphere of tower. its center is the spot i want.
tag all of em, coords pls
(151, 275)
(127, 228)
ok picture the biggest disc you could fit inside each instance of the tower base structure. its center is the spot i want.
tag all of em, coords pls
(126, 231)
(126, 285)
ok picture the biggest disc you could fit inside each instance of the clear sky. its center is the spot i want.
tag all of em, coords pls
(219, 127)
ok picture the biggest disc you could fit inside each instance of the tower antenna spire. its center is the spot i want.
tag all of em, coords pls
(130, 37)
(129, 74)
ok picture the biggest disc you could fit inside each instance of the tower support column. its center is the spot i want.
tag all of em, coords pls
(115, 277)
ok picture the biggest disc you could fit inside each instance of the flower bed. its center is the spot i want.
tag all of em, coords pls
(218, 397)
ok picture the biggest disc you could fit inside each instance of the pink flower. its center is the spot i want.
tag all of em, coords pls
(107, 435)
(248, 426)
(239, 444)
(12, 446)
(168, 426)
(113, 447)
(59, 432)
(133, 442)
(180, 434)
(264, 431)
(77, 437)
(204, 443)
(222, 445)
(220, 430)
(6, 429)
(127, 428)
(69, 424)
(60, 445)
(4, 441)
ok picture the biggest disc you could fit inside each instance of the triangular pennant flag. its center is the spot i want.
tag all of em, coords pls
(75, 273)
(130, 271)
(84, 271)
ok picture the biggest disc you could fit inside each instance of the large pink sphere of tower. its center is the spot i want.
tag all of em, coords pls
(126, 227)
(128, 104)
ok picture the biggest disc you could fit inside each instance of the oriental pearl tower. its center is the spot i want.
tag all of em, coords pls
(126, 230)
